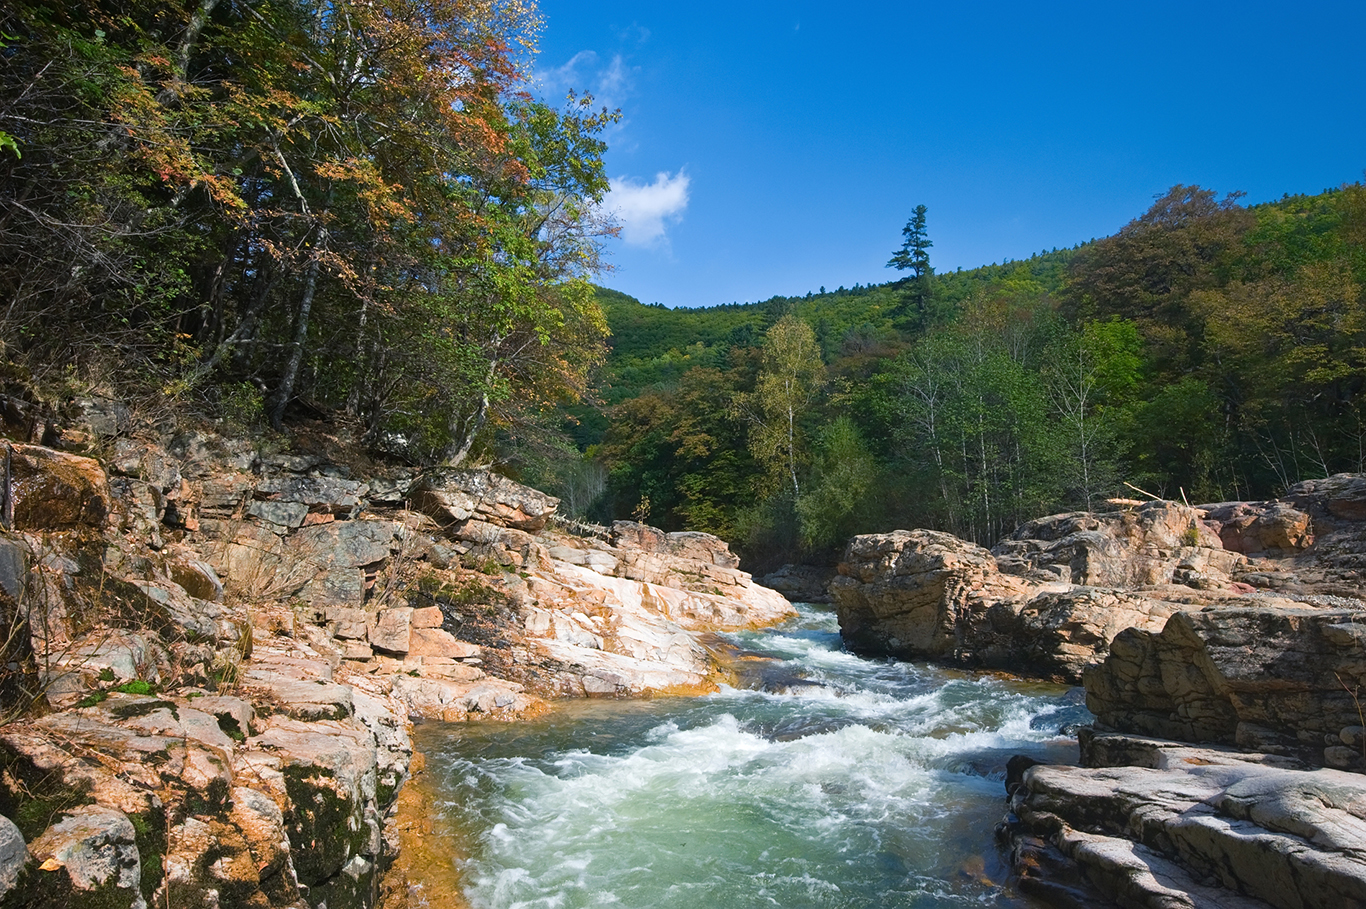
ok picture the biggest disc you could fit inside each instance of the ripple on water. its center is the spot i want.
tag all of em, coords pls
(877, 784)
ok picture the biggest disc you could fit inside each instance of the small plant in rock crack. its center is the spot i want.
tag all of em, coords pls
(227, 663)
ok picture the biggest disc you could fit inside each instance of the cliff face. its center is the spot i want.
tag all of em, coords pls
(212, 652)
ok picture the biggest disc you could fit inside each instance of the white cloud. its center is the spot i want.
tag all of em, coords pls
(635, 33)
(613, 80)
(644, 209)
(559, 79)
(609, 83)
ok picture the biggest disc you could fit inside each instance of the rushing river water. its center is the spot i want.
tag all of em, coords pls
(835, 782)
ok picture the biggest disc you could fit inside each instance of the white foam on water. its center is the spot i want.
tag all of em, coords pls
(859, 791)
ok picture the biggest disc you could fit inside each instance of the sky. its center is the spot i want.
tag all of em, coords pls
(777, 148)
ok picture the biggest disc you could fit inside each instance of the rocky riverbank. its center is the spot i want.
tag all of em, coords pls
(212, 651)
(1221, 648)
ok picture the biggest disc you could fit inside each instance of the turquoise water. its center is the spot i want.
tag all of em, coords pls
(834, 781)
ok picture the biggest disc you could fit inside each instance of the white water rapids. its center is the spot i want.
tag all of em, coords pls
(837, 782)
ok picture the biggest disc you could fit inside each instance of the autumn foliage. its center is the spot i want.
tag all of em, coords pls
(347, 206)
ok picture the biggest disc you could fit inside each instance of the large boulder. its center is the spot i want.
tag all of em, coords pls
(1283, 678)
(1258, 527)
(1342, 495)
(903, 593)
(336, 555)
(102, 418)
(53, 490)
(453, 496)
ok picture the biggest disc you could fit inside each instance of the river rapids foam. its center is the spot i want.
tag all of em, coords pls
(860, 784)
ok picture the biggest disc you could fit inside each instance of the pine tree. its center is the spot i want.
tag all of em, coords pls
(914, 255)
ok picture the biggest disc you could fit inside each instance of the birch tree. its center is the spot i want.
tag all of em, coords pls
(791, 375)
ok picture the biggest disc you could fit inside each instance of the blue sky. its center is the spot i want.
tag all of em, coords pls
(774, 148)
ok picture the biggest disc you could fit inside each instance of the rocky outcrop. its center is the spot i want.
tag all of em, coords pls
(1331, 557)
(1259, 527)
(228, 644)
(905, 593)
(1151, 545)
(623, 609)
(1049, 599)
(1218, 770)
(1047, 602)
(190, 799)
(1283, 679)
(455, 496)
(1152, 823)
(1342, 497)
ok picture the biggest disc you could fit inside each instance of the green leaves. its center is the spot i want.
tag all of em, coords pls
(790, 377)
(362, 184)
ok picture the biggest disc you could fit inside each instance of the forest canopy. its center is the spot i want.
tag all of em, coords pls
(346, 207)
(356, 210)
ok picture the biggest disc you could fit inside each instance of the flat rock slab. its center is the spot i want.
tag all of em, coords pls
(1293, 838)
(302, 688)
(454, 701)
(305, 700)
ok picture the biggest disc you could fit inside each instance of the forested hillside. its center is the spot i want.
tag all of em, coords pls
(264, 211)
(356, 212)
(1207, 349)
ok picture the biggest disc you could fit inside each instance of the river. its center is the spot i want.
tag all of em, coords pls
(821, 780)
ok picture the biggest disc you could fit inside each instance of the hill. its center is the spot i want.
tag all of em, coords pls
(1207, 348)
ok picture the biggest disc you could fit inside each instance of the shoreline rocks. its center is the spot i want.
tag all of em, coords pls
(1149, 822)
(232, 642)
(1223, 653)
(1047, 601)
(1226, 764)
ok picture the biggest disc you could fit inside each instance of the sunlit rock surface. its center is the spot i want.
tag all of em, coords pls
(1155, 823)
(927, 595)
(229, 644)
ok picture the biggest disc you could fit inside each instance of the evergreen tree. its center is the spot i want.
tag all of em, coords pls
(914, 256)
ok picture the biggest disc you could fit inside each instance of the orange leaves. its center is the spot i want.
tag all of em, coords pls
(383, 201)
(373, 157)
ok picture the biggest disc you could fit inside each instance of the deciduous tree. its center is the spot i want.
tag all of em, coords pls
(790, 378)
